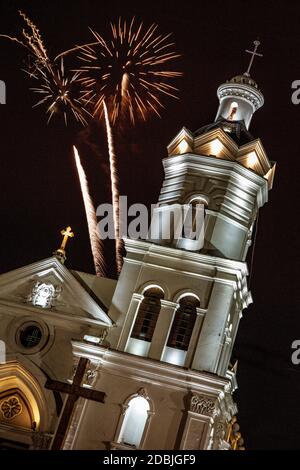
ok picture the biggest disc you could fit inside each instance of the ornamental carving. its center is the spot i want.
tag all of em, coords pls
(253, 97)
(234, 437)
(11, 408)
(202, 405)
(142, 392)
(230, 406)
(220, 430)
(43, 294)
(102, 335)
(90, 376)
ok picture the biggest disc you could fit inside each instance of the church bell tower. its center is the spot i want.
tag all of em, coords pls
(179, 299)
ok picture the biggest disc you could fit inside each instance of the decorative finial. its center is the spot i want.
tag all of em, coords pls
(61, 252)
(253, 54)
(234, 367)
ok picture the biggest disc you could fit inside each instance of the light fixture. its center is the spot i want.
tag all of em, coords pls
(92, 339)
(183, 146)
(215, 147)
(252, 159)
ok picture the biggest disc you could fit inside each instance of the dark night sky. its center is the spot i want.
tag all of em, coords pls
(40, 192)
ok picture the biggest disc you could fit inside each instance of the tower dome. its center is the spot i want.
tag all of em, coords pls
(244, 79)
(240, 96)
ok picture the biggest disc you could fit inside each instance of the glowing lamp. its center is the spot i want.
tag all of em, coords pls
(183, 146)
(216, 147)
(252, 159)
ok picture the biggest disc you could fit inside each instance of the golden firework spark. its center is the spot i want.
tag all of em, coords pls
(31, 40)
(96, 242)
(130, 71)
(59, 90)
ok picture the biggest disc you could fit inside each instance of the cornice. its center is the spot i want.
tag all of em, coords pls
(154, 372)
(206, 261)
(216, 167)
(243, 91)
(58, 317)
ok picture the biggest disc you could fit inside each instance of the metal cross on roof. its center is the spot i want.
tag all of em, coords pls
(253, 54)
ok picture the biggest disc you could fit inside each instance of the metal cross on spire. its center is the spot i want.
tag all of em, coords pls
(67, 233)
(253, 54)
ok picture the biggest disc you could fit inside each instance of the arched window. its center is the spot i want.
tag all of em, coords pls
(133, 426)
(147, 315)
(183, 323)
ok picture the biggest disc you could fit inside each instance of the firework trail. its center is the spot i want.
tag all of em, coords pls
(114, 189)
(96, 243)
(130, 71)
(31, 40)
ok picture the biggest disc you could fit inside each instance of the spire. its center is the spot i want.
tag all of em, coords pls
(61, 252)
(253, 54)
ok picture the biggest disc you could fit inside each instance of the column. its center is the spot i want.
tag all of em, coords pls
(129, 321)
(211, 337)
(199, 420)
(162, 329)
(194, 338)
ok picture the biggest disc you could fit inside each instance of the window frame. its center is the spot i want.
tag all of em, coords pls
(144, 311)
(142, 392)
(171, 342)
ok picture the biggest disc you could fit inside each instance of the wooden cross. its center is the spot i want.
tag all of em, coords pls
(74, 390)
(253, 54)
(67, 233)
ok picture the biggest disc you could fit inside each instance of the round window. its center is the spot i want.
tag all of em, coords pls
(30, 336)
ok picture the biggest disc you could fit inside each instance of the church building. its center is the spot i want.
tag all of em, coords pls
(144, 362)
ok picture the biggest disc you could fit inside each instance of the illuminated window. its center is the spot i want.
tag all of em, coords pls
(183, 323)
(147, 315)
(233, 111)
(135, 420)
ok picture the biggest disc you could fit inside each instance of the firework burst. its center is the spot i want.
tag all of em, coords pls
(59, 91)
(130, 71)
